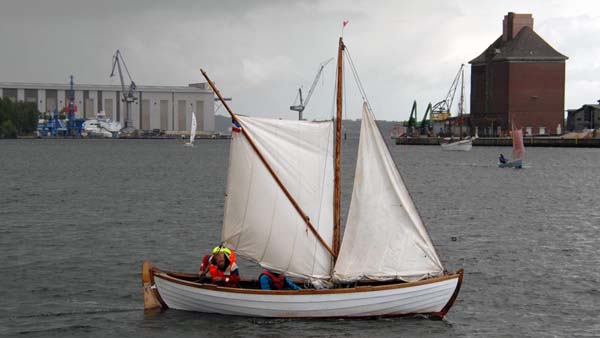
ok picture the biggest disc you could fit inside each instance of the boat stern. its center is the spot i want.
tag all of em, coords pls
(152, 300)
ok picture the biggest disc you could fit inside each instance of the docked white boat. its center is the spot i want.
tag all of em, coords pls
(102, 127)
(282, 211)
(460, 145)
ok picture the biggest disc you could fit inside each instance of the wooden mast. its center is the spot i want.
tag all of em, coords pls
(462, 98)
(271, 171)
(338, 144)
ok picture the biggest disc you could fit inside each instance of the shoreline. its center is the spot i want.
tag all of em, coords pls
(32, 137)
(529, 141)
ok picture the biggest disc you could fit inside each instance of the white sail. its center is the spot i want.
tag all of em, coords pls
(260, 222)
(193, 129)
(384, 237)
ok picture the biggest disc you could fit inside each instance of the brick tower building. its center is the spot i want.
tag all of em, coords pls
(520, 76)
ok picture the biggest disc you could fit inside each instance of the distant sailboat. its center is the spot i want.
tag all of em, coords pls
(192, 131)
(466, 144)
(518, 150)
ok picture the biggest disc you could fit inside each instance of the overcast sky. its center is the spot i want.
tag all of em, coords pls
(260, 52)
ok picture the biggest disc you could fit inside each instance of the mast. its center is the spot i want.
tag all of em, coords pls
(462, 97)
(338, 139)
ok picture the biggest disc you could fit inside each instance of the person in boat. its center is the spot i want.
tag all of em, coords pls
(502, 159)
(222, 267)
(271, 280)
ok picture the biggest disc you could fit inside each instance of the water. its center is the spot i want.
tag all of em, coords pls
(78, 218)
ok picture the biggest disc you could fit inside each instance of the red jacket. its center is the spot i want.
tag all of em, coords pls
(278, 280)
(229, 277)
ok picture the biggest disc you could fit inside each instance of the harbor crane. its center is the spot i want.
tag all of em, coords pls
(413, 127)
(426, 125)
(300, 108)
(441, 110)
(412, 120)
(128, 93)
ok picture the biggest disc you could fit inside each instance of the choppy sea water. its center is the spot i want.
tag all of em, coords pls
(78, 218)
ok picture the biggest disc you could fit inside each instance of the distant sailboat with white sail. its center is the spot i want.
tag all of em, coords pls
(192, 131)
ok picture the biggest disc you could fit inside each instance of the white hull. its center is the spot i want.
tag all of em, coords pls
(462, 145)
(432, 297)
(101, 128)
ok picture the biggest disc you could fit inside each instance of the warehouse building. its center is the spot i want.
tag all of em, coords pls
(168, 108)
(519, 76)
(586, 117)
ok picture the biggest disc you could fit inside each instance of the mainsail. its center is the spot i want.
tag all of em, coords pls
(385, 237)
(260, 222)
(193, 129)
(518, 146)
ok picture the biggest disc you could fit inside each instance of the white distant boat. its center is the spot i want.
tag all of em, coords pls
(282, 211)
(461, 144)
(192, 131)
(101, 126)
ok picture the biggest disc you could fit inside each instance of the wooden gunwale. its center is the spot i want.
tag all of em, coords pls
(366, 288)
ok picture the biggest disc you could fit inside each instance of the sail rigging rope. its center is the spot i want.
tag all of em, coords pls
(357, 78)
(332, 112)
(344, 101)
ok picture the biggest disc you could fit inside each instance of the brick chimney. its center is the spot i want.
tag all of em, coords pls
(512, 24)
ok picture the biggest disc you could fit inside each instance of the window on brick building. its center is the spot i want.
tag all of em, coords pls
(529, 131)
(542, 130)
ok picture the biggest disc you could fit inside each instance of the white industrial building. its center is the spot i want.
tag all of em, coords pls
(167, 108)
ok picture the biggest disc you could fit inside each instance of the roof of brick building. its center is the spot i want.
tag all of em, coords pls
(525, 46)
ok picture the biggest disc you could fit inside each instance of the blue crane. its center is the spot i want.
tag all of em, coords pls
(71, 108)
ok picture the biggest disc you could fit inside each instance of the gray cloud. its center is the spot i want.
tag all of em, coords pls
(259, 52)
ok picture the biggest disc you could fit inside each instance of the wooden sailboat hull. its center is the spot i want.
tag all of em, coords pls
(462, 145)
(429, 297)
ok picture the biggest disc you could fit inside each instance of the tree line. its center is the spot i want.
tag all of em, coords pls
(17, 118)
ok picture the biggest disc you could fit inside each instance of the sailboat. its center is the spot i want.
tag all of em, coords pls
(282, 211)
(518, 150)
(192, 131)
(461, 144)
